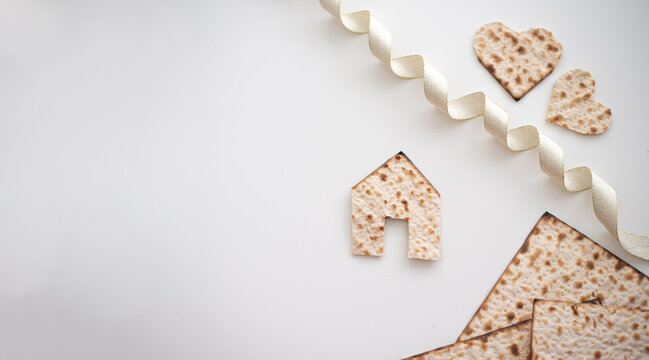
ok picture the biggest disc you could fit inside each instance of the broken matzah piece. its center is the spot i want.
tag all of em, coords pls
(563, 330)
(557, 262)
(512, 342)
(397, 189)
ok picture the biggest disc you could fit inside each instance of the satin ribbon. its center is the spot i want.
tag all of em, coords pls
(551, 156)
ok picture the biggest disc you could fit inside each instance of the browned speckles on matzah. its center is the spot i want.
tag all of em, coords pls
(397, 190)
(512, 342)
(518, 61)
(585, 331)
(573, 104)
(557, 262)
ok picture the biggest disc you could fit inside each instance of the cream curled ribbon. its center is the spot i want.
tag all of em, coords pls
(478, 104)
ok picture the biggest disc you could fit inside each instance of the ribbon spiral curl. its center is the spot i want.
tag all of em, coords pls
(551, 156)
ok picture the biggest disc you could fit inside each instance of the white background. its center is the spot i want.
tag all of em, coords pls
(175, 175)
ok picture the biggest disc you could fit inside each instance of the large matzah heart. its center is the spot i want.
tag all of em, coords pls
(573, 106)
(518, 61)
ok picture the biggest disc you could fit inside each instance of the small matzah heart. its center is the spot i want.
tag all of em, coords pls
(573, 106)
(518, 61)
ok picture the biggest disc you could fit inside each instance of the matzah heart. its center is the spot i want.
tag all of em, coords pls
(518, 61)
(573, 106)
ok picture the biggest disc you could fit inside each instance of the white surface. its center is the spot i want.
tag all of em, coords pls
(175, 176)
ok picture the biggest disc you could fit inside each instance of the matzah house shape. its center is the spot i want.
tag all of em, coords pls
(557, 262)
(397, 190)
